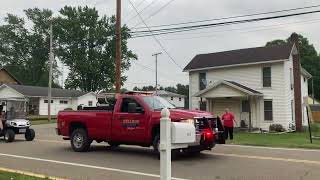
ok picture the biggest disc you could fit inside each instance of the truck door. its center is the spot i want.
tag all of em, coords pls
(129, 125)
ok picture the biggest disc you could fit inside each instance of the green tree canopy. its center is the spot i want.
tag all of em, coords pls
(86, 44)
(24, 51)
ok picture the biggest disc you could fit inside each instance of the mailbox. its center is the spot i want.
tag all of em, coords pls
(182, 133)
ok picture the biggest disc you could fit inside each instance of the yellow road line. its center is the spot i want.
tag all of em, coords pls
(268, 158)
(30, 174)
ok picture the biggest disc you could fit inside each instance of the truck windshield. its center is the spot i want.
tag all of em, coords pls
(157, 103)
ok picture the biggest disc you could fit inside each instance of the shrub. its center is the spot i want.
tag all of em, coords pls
(276, 128)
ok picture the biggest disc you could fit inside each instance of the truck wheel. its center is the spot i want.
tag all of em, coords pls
(9, 135)
(80, 141)
(29, 135)
(156, 143)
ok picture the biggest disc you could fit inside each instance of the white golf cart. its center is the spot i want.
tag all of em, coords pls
(14, 121)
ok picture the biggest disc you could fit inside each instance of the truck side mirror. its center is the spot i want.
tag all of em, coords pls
(132, 107)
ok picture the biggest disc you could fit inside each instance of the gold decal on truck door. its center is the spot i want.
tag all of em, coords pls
(130, 123)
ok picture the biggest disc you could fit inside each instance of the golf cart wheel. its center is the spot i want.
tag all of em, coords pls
(9, 135)
(80, 141)
(30, 134)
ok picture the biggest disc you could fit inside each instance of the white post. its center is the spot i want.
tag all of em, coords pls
(165, 145)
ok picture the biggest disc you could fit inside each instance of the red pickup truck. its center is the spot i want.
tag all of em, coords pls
(131, 119)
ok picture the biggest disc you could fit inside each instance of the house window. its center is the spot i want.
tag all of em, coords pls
(203, 105)
(179, 98)
(266, 76)
(202, 81)
(245, 106)
(90, 103)
(291, 79)
(268, 110)
(46, 101)
(304, 79)
(171, 98)
(63, 102)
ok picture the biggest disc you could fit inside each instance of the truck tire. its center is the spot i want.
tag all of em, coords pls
(80, 141)
(29, 135)
(9, 135)
(156, 144)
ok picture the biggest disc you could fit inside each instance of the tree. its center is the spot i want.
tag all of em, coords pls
(86, 44)
(310, 60)
(24, 51)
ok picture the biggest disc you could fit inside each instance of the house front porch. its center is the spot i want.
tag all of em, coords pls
(243, 102)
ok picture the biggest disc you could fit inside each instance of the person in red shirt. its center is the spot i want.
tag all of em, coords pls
(228, 122)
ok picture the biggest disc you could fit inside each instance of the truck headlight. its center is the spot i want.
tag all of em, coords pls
(190, 121)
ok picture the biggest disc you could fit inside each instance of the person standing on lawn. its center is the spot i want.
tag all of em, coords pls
(228, 122)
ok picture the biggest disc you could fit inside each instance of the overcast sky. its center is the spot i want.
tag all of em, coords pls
(184, 46)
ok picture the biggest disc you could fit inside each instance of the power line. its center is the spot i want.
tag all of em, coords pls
(162, 47)
(140, 3)
(146, 7)
(153, 14)
(232, 17)
(253, 29)
(204, 26)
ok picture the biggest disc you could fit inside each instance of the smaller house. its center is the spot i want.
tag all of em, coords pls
(7, 78)
(37, 98)
(176, 99)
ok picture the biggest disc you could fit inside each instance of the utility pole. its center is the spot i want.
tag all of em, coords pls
(118, 47)
(50, 73)
(156, 55)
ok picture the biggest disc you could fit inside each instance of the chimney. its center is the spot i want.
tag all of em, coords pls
(297, 82)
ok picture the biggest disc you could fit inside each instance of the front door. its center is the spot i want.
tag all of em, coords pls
(130, 125)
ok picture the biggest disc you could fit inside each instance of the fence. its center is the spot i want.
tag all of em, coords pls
(315, 110)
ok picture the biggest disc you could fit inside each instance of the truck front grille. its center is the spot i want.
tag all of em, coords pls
(201, 124)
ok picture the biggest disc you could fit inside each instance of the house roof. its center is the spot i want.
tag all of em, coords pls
(169, 94)
(239, 57)
(3, 69)
(36, 91)
(233, 84)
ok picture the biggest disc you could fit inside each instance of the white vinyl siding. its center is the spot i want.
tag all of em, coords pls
(251, 76)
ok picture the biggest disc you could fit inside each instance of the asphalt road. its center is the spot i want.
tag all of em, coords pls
(51, 156)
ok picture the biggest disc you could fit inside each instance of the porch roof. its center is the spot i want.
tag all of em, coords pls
(234, 89)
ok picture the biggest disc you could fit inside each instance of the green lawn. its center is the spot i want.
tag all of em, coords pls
(15, 176)
(291, 140)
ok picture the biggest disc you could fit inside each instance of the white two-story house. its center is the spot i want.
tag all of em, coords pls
(261, 86)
